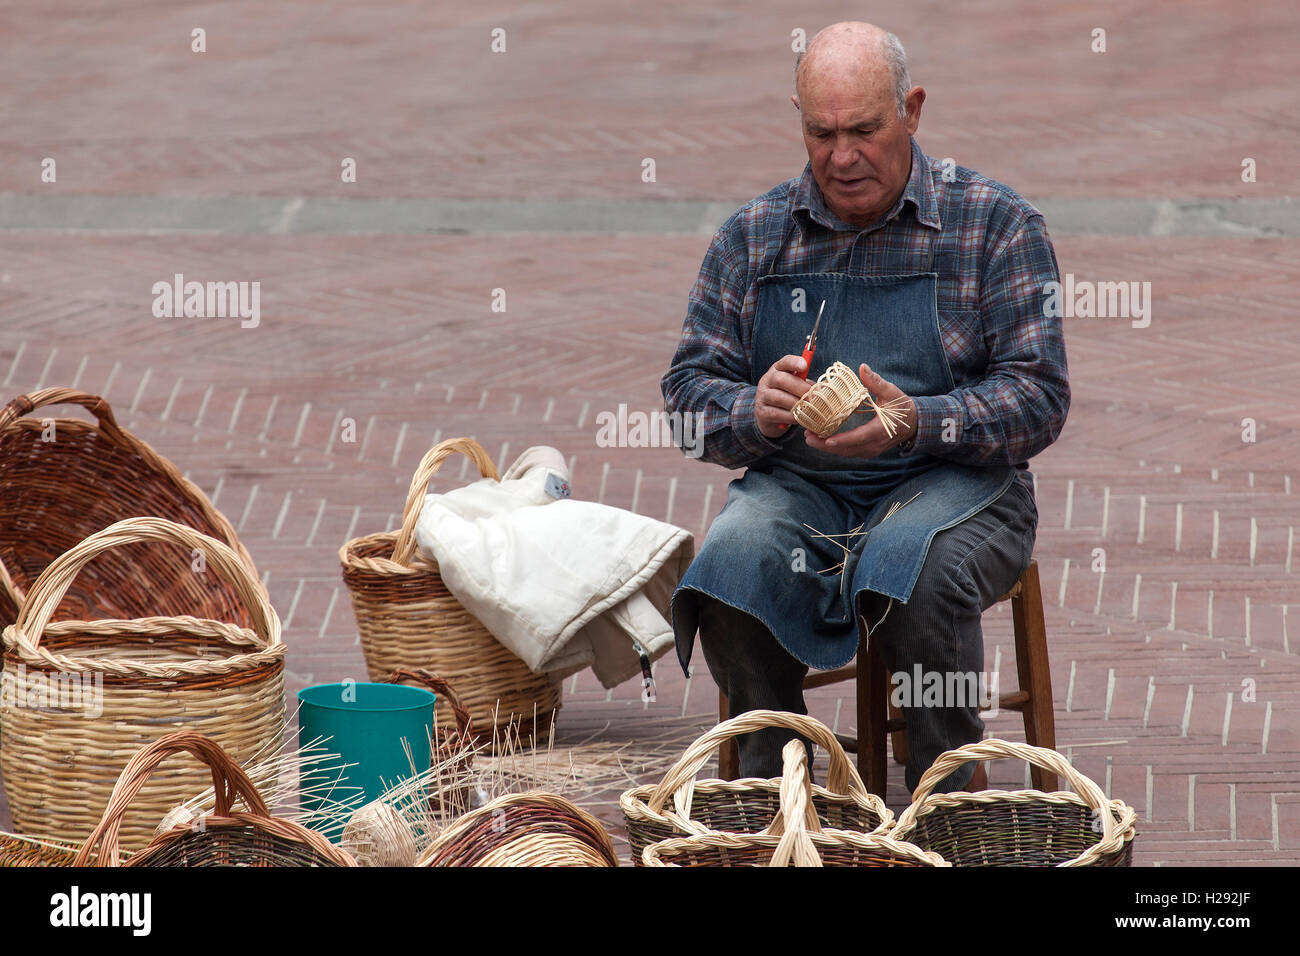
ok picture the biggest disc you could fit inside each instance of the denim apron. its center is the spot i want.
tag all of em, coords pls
(763, 554)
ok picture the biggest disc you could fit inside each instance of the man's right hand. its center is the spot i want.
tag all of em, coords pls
(778, 390)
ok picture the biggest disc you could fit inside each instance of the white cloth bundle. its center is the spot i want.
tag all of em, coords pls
(564, 584)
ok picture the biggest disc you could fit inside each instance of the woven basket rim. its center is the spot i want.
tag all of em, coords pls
(827, 838)
(633, 802)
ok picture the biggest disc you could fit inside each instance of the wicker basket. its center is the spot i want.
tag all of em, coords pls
(1022, 827)
(836, 395)
(449, 744)
(747, 805)
(795, 837)
(523, 829)
(54, 493)
(136, 681)
(225, 837)
(409, 620)
(20, 851)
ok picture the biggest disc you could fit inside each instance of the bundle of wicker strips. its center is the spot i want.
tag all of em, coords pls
(63, 479)
(452, 746)
(749, 804)
(523, 829)
(1021, 827)
(80, 697)
(409, 620)
(794, 838)
(225, 837)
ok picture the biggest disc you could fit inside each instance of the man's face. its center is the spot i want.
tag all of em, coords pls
(860, 149)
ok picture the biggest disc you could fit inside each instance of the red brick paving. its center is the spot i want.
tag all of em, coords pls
(397, 334)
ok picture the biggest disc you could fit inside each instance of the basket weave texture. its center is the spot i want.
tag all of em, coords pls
(795, 837)
(63, 479)
(408, 620)
(137, 680)
(226, 837)
(680, 804)
(1021, 827)
(523, 829)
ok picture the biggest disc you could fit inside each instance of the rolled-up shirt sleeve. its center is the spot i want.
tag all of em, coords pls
(1019, 407)
(710, 373)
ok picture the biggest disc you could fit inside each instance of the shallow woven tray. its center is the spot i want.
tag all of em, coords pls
(55, 493)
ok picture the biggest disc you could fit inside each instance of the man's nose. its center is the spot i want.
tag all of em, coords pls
(845, 154)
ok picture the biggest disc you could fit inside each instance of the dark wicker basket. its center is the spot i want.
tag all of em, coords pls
(680, 805)
(1018, 828)
(64, 480)
(224, 838)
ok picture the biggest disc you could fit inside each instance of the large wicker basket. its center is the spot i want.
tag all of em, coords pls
(523, 829)
(225, 837)
(63, 479)
(79, 698)
(1021, 827)
(679, 804)
(408, 620)
(795, 837)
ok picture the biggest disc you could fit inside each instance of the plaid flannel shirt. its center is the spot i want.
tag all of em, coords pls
(1007, 357)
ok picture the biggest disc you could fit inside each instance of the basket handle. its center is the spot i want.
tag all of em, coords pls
(404, 547)
(26, 404)
(840, 779)
(49, 589)
(993, 749)
(228, 781)
(438, 685)
(797, 817)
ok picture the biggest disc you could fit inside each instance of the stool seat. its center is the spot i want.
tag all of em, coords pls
(877, 718)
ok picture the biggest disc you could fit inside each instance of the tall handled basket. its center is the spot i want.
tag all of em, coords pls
(63, 479)
(795, 838)
(79, 698)
(226, 837)
(408, 620)
(1021, 827)
(679, 804)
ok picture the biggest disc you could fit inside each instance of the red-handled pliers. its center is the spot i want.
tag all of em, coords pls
(810, 348)
(810, 344)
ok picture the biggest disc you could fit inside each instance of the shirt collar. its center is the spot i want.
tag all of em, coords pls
(807, 202)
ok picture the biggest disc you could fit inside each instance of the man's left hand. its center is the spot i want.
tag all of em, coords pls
(871, 439)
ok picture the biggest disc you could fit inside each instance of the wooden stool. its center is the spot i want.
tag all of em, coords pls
(878, 718)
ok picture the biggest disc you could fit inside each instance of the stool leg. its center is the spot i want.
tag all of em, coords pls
(899, 737)
(873, 712)
(729, 752)
(1034, 673)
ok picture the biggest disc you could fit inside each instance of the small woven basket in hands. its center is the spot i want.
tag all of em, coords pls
(409, 620)
(1021, 827)
(794, 838)
(836, 395)
(134, 681)
(61, 480)
(679, 804)
(453, 746)
(523, 829)
(225, 837)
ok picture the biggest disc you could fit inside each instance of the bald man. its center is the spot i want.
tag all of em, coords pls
(933, 280)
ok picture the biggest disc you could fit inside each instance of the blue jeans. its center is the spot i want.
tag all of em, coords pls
(967, 568)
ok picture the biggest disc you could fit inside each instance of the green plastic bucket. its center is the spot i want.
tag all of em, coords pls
(366, 725)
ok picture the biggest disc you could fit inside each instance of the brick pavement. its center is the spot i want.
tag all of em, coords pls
(397, 333)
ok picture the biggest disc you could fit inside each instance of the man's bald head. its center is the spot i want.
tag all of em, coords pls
(851, 48)
(857, 111)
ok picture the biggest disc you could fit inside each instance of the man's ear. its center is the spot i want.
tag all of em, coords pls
(794, 98)
(915, 99)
